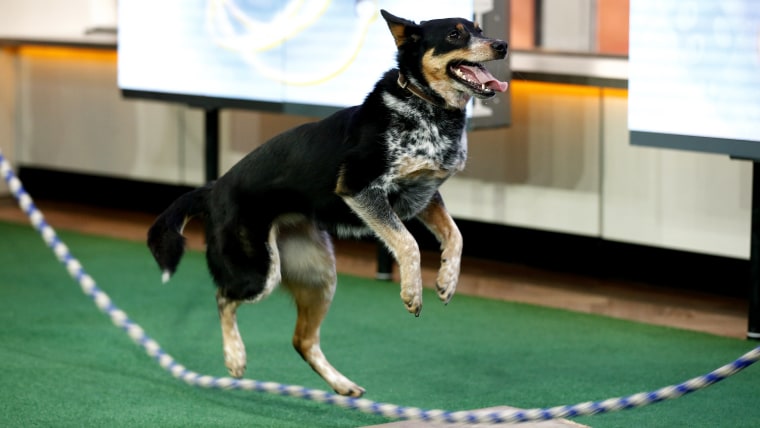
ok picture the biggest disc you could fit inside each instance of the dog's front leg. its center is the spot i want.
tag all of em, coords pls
(372, 206)
(437, 219)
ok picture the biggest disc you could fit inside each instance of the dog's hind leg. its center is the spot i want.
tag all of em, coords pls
(439, 222)
(234, 348)
(308, 272)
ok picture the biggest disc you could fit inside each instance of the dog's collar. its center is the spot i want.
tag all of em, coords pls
(414, 89)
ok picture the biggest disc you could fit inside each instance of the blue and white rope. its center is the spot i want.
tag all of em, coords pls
(393, 411)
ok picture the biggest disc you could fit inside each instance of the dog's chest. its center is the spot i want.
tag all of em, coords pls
(423, 142)
(422, 152)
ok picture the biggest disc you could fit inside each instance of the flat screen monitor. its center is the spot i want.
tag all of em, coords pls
(306, 57)
(694, 75)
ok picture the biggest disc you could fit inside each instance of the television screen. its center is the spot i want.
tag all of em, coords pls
(265, 53)
(694, 75)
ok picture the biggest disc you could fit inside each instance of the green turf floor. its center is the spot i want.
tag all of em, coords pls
(62, 363)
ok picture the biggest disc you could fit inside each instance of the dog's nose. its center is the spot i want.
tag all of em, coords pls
(500, 46)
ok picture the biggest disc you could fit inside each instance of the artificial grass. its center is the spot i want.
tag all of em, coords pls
(62, 363)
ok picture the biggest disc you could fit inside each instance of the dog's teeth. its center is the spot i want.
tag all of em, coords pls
(469, 80)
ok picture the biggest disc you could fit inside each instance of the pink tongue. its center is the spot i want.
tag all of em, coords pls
(483, 76)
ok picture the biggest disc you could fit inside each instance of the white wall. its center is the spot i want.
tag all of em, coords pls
(72, 117)
(568, 25)
(24, 19)
(54, 18)
(7, 110)
(543, 171)
(673, 199)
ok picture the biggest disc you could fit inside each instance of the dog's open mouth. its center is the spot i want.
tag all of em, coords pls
(481, 82)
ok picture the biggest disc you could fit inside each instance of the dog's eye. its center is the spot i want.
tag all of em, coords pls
(454, 35)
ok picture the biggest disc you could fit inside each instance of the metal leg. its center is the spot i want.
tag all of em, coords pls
(384, 263)
(753, 328)
(212, 143)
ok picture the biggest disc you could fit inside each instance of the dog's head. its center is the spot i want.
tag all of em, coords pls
(446, 56)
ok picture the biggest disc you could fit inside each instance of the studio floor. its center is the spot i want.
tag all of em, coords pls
(65, 366)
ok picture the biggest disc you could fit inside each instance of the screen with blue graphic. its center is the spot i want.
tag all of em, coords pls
(310, 53)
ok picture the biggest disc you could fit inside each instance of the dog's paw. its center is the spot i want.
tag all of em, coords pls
(236, 372)
(348, 388)
(235, 360)
(412, 300)
(446, 283)
(445, 293)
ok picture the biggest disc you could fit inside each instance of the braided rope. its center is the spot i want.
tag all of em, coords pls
(153, 349)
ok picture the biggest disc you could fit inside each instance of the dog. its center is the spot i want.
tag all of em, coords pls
(364, 170)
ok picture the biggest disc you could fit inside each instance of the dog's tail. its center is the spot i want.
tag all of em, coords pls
(165, 238)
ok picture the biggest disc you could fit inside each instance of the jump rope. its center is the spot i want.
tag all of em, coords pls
(392, 411)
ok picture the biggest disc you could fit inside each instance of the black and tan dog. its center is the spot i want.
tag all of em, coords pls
(364, 170)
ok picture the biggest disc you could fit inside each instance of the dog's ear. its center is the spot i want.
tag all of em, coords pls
(402, 29)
